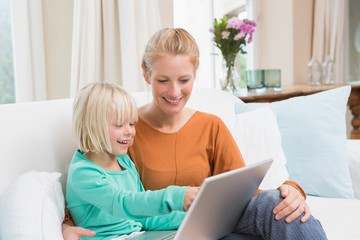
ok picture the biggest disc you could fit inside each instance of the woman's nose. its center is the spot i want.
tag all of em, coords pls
(174, 90)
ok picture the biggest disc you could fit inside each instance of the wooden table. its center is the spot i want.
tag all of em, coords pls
(304, 89)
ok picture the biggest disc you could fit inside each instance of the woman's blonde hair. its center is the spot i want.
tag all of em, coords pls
(95, 107)
(174, 41)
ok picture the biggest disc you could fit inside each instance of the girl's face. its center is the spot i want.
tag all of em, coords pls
(171, 78)
(121, 137)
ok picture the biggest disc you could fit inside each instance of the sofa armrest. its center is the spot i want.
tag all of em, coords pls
(353, 148)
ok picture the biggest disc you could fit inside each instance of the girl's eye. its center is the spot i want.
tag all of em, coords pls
(121, 125)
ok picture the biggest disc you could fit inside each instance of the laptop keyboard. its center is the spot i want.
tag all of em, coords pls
(168, 237)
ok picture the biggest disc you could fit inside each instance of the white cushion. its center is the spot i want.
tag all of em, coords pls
(32, 207)
(258, 137)
(46, 140)
(338, 216)
(353, 150)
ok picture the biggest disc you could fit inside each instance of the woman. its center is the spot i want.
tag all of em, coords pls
(176, 145)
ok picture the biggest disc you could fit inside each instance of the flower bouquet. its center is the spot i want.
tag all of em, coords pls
(231, 36)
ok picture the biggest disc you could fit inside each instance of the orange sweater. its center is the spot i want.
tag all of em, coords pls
(202, 147)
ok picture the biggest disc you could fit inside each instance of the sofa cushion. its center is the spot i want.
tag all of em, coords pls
(258, 137)
(338, 216)
(32, 207)
(313, 133)
(353, 150)
(35, 136)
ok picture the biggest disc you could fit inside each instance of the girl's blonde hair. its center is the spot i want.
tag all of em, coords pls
(95, 107)
(174, 41)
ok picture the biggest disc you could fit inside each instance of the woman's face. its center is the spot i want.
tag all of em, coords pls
(171, 79)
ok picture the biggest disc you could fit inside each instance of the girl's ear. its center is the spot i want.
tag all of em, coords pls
(146, 73)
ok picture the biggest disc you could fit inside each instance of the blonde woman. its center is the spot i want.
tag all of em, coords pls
(195, 144)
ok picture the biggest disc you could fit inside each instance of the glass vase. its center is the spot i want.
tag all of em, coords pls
(230, 81)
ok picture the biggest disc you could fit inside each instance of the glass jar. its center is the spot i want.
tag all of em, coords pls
(314, 71)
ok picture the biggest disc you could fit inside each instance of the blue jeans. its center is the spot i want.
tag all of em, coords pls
(258, 222)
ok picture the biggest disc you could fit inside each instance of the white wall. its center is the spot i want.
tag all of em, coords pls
(283, 38)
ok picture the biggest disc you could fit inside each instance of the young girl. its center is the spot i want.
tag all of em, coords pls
(104, 192)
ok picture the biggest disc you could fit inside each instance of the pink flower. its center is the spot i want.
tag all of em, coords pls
(239, 36)
(247, 28)
(232, 35)
(234, 22)
(225, 34)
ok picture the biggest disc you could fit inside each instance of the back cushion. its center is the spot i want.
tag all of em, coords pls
(35, 136)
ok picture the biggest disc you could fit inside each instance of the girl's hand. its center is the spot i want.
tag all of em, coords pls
(190, 195)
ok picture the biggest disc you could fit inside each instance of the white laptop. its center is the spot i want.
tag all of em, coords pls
(218, 205)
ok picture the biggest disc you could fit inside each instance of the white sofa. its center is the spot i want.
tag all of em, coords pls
(37, 136)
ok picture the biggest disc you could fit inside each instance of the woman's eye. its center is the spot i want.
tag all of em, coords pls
(118, 125)
(162, 80)
(184, 80)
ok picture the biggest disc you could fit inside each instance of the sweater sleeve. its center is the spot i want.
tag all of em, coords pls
(290, 183)
(89, 181)
(297, 186)
(163, 222)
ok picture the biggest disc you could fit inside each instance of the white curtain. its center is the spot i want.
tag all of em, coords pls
(29, 56)
(328, 34)
(109, 37)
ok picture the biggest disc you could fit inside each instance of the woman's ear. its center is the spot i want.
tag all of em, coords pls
(146, 73)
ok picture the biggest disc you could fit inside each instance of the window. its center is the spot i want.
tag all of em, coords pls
(197, 17)
(7, 93)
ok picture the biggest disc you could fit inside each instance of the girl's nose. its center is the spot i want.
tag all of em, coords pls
(129, 129)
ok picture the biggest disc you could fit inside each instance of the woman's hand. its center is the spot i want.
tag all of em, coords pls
(292, 206)
(190, 195)
(75, 233)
